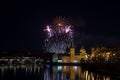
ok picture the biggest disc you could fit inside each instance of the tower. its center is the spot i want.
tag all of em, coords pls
(72, 52)
(83, 53)
(92, 52)
(82, 50)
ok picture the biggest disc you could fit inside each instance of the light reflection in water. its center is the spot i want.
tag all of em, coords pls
(52, 72)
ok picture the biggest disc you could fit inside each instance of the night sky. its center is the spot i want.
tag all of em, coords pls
(22, 23)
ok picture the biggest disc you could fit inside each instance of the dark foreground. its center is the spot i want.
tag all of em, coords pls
(57, 72)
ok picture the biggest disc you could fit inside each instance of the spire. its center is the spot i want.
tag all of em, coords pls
(72, 44)
(82, 47)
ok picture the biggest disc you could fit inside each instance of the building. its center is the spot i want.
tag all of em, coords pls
(71, 57)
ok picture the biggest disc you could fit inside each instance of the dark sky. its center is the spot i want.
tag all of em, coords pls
(22, 22)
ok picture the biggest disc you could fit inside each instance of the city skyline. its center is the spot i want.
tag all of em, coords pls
(59, 40)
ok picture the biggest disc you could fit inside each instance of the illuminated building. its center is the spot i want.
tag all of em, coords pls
(72, 53)
(72, 57)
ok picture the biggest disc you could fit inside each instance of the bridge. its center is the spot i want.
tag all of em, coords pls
(21, 60)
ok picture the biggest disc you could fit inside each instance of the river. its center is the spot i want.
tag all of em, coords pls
(48, 72)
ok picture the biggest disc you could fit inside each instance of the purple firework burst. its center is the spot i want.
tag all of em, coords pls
(59, 38)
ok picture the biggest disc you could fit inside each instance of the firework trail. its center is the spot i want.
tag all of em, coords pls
(59, 37)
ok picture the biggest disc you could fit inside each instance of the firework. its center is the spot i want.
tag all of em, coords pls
(59, 37)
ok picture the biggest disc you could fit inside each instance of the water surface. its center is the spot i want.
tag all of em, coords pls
(47, 72)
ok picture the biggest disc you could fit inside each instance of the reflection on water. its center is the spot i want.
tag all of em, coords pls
(48, 72)
(75, 73)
